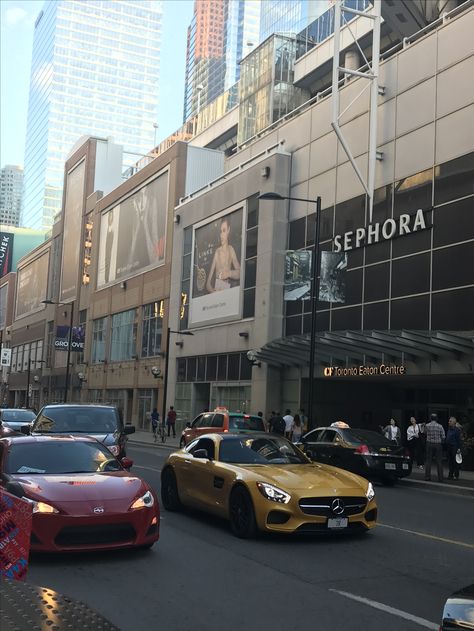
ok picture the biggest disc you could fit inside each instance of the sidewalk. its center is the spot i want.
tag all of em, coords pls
(141, 437)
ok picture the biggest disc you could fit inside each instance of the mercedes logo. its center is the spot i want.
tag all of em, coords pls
(98, 510)
(337, 506)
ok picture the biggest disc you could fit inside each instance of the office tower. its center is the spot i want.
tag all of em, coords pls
(220, 34)
(94, 71)
(289, 16)
(11, 185)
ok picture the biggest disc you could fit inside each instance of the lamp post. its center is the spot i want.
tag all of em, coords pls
(167, 362)
(315, 269)
(68, 359)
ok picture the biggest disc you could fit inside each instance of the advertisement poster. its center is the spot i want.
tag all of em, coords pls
(133, 233)
(31, 283)
(6, 252)
(298, 275)
(216, 268)
(332, 281)
(72, 241)
(61, 342)
(15, 531)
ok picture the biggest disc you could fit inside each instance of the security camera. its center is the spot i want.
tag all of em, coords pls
(156, 372)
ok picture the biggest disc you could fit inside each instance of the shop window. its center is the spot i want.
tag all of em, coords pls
(181, 369)
(453, 222)
(410, 313)
(343, 319)
(211, 368)
(454, 267)
(376, 316)
(233, 368)
(245, 368)
(411, 275)
(152, 328)
(201, 368)
(377, 279)
(191, 369)
(454, 179)
(123, 335)
(222, 367)
(99, 332)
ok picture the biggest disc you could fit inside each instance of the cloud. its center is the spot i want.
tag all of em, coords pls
(15, 15)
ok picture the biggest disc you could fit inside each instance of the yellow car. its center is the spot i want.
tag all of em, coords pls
(263, 482)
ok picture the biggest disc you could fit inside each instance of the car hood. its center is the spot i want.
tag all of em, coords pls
(313, 478)
(103, 437)
(80, 493)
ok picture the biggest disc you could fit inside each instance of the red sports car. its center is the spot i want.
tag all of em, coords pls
(83, 497)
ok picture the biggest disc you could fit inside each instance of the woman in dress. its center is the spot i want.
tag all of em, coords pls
(225, 264)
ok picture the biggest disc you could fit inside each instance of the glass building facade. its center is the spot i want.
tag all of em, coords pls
(11, 187)
(112, 92)
(289, 16)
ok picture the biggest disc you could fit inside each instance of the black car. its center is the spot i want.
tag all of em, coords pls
(458, 612)
(16, 418)
(361, 451)
(103, 422)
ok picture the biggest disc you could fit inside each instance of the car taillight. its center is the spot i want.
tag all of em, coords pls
(363, 449)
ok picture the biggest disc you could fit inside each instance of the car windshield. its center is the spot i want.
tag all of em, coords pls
(76, 419)
(59, 456)
(252, 423)
(260, 450)
(18, 416)
(361, 436)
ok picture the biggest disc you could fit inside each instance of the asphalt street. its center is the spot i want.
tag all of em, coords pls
(200, 577)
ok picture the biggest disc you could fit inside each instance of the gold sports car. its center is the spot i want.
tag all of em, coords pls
(263, 482)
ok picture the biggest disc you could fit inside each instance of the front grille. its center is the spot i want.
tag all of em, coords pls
(95, 535)
(321, 506)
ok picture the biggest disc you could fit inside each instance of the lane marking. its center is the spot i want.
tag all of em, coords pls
(422, 622)
(453, 542)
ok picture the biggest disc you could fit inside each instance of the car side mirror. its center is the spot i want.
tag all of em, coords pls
(126, 463)
(25, 429)
(201, 453)
(129, 429)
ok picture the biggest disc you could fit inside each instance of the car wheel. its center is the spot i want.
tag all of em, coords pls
(169, 490)
(242, 514)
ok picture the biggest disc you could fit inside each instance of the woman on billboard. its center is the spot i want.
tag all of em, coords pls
(225, 265)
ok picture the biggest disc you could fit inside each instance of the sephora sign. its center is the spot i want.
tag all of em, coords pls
(380, 231)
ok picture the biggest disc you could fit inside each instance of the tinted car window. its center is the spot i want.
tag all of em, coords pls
(314, 436)
(207, 444)
(329, 436)
(218, 420)
(17, 415)
(60, 457)
(362, 436)
(82, 419)
(197, 421)
(261, 450)
(243, 422)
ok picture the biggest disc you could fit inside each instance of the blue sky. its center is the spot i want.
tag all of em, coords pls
(17, 26)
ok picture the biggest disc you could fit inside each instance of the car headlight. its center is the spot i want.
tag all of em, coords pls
(370, 494)
(273, 493)
(145, 501)
(115, 449)
(42, 507)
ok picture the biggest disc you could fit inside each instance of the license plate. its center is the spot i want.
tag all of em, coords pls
(338, 522)
(390, 466)
(404, 465)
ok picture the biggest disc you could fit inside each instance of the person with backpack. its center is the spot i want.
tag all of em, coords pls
(277, 424)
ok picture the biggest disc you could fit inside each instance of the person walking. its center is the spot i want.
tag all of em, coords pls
(392, 431)
(413, 440)
(171, 421)
(296, 429)
(304, 421)
(453, 447)
(277, 424)
(435, 437)
(155, 421)
(288, 418)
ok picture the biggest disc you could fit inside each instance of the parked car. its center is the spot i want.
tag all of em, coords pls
(221, 420)
(103, 422)
(263, 482)
(458, 612)
(16, 418)
(361, 451)
(83, 497)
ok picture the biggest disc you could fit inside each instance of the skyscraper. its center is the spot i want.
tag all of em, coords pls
(94, 71)
(11, 185)
(220, 34)
(289, 16)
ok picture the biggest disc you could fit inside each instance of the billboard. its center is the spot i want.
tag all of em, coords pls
(72, 231)
(298, 275)
(332, 280)
(6, 252)
(15, 533)
(217, 277)
(133, 233)
(32, 280)
(61, 342)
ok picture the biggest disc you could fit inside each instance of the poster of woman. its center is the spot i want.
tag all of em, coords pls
(217, 273)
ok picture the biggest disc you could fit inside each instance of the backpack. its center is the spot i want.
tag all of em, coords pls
(278, 425)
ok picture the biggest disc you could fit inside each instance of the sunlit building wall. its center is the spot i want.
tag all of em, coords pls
(94, 71)
(11, 186)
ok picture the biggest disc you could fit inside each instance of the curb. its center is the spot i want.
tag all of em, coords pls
(142, 443)
(437, 486)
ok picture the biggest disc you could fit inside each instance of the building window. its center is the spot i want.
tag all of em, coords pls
(251, 257)
(49, 344)
(186, 277)
(124, 335)
(152, 328)
(99, 333)
(226, 367)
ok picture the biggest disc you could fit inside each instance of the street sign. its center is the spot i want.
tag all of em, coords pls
(6, 357)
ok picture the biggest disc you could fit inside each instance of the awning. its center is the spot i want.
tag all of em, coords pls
(368, 347)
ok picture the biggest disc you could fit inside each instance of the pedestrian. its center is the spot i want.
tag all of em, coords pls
(288, 418)
(435, 437)
(414, 442)
(392, 432)
(171, 421)
(304, 421)
(277, 424)
(296, 429)
(155, 421)
(453, 447)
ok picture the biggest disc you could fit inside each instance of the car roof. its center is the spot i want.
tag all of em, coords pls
(21, 438)
(78, 405)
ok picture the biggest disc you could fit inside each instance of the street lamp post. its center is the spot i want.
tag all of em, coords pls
(167, 361)
(68, 359)
(315, 269)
